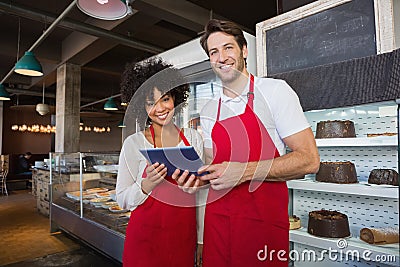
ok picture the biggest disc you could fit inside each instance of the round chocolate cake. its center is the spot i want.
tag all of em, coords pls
(337, 172)
(335, 129)
(327, 223)
(383, 176)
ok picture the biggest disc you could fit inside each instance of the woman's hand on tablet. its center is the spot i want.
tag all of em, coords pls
(155, 175)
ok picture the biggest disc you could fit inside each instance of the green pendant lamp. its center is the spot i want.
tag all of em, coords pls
(29, 65)
(110, 105)
(4, 95)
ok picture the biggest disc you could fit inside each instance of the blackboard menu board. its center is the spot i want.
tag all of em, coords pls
(344, 32)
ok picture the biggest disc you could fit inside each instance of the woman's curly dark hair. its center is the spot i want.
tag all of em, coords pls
(139, 80)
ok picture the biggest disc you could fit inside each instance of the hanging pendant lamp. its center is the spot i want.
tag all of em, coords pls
(28, 65)
(104, 9)
(43, 108)
(4, 95)
(121, 124)
(110, 105)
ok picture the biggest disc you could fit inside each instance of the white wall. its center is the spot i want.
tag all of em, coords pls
(191, 53)
(101, 142)
(396, 15)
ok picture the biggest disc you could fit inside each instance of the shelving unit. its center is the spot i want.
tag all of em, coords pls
(365, 205)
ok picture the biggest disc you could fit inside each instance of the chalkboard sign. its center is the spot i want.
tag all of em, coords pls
(343, 32)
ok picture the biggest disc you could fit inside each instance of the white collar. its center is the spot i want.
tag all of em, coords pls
(239, 98)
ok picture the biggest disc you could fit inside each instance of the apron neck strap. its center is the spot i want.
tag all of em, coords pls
(181, 135)
(250, 96)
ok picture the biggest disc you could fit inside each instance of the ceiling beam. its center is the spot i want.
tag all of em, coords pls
(182, 13)
(73, 25)
(78, 41)
(80, 48)
(84, 35)
(179, 12)
(19, 91)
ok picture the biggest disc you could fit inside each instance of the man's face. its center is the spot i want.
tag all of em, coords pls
(226, 57)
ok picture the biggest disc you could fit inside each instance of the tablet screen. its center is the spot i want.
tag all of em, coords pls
(183, 158)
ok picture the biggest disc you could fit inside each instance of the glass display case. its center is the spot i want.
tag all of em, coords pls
(366, 205)
(83, 200)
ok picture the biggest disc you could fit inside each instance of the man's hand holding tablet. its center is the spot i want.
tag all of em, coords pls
(182, 164)
(182, 158)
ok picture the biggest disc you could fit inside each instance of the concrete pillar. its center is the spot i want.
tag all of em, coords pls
(1, 126)
(68, 98)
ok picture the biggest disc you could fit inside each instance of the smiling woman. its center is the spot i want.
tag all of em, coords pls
(160, 109)
(155, 92)
(139, 80)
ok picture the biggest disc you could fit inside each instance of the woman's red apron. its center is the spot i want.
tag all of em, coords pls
(241, 222)
(162, 230)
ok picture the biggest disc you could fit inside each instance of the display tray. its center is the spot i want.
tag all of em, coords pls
(75, 195)
(117, 209)
(96, 190)
(326, 237)
(106, 168)
(379, 185)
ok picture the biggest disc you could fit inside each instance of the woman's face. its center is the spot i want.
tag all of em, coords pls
(160, 109)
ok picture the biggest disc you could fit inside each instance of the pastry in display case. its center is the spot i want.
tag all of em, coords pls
(387, 235)
(294, 222)
(337, 172)
(328, 223)
(335, 129)
(383, 176)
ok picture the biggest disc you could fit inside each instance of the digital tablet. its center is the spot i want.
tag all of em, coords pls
(183, 158)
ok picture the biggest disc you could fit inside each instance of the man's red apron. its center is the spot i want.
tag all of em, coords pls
(242, 222)
(162, 230)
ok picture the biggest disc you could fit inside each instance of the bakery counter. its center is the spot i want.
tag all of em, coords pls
(79, 203)
(85, 211)
(117, 221)
(41, 188)
(91, 232)
(351, 248)
(41, 185)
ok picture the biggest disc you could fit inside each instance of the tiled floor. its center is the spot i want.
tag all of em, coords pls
(25, 239)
